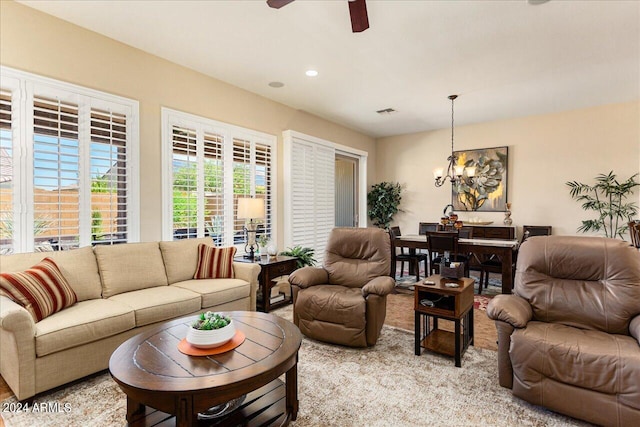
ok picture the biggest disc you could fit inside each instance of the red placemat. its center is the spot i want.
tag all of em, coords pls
(187, 348)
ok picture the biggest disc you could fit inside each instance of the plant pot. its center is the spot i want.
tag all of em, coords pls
(211, 338)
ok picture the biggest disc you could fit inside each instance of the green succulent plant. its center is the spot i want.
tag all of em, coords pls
(209, 321)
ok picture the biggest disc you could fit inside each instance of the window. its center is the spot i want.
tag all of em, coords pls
(310, 189)
(68, 154)
(210, 165)
(310, 195)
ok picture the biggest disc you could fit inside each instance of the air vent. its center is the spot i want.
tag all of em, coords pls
(386, 111)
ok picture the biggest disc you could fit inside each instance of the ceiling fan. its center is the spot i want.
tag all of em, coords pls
(357, 10)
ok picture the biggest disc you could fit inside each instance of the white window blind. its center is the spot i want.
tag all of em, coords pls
(214, 180)
(241, 182)
(76, 150)
(109, 177)
(311, 195)
(6, 174)
(56, 180)
(185, 182)
(216, 163)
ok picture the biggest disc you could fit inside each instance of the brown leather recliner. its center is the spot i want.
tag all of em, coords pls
(569, 339)
(345, 302)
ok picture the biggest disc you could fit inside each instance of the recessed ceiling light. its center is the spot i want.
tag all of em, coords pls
(276, 84)
(311, 73)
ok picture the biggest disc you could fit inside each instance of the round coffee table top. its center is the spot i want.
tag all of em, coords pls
(151, 362)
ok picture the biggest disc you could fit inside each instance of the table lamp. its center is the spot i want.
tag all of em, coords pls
(250, 209)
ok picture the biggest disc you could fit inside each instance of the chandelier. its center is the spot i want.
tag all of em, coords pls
(455, 172)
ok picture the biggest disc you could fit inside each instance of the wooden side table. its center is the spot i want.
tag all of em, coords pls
(433, 302)
(271, 268)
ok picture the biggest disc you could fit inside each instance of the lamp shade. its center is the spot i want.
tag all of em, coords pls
(250, 208)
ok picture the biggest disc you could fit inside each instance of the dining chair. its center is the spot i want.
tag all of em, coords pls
(424, 227)
(440, 242)
(494, 265)
(401, 256)
(634, 233)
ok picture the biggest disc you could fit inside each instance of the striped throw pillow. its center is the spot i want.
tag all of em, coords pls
(42, 289)
(214, 263)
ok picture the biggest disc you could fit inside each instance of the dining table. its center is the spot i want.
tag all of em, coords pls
(480, 248)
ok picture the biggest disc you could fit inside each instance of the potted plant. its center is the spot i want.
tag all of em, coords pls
(606, 197)
(383, 201)
(304, 255)
(211, 330)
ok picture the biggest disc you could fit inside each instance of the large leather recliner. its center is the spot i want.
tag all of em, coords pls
(569, 339)
(344, 302)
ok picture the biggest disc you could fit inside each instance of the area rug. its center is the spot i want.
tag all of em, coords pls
(337, 386)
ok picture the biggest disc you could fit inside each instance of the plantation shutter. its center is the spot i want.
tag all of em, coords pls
(263, 183)
(311, 195)
(56, 181)
(185, 183)
(109, 178)
(241, 183)
(214, 207)
(6, 174)
(213, 164)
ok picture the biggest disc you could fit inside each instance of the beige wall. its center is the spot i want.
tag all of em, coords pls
(41, 44)
(544, 152)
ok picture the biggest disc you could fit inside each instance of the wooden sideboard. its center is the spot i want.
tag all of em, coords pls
(503, 232)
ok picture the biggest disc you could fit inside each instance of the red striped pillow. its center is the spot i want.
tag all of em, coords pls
(42, 289)
(214, 263)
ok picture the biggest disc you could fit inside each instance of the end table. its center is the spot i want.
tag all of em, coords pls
(439, 301)
(271, 268)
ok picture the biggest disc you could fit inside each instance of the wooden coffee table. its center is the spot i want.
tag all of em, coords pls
(164, 385)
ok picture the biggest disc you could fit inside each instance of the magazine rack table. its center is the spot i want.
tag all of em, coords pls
(164, 386)
(438, 301)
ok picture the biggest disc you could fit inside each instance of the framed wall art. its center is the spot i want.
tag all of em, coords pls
(487, 190)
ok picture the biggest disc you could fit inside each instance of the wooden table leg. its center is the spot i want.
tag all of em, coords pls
(417, 333)
(507, 270)
(292, 390)
(185, 416)
(457, 346)
(470, 325)
(133, 409)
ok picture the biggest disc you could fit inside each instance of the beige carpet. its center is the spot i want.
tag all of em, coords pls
(380, 386)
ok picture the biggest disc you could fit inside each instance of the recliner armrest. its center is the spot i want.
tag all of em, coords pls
(309, 276)
(634, 328)
(382, 285)
(511, 309)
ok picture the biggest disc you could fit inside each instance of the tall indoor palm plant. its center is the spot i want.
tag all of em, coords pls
(607, 197)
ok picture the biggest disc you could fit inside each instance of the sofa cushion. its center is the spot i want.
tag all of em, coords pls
(583, 358)
(181, 257)
(42, 289)
(214, 263)
(130, 267)
(78, 266)
(217, 291)
(84, 322)
(158, 304)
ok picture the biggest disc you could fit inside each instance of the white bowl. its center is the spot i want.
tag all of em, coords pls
(211, 339)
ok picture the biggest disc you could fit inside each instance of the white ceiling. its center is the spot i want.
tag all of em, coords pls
(504, 58)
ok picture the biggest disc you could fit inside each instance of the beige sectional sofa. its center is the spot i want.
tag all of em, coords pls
(122, 290)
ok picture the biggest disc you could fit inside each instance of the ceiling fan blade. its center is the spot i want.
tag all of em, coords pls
(359, 18)
(277, 4)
